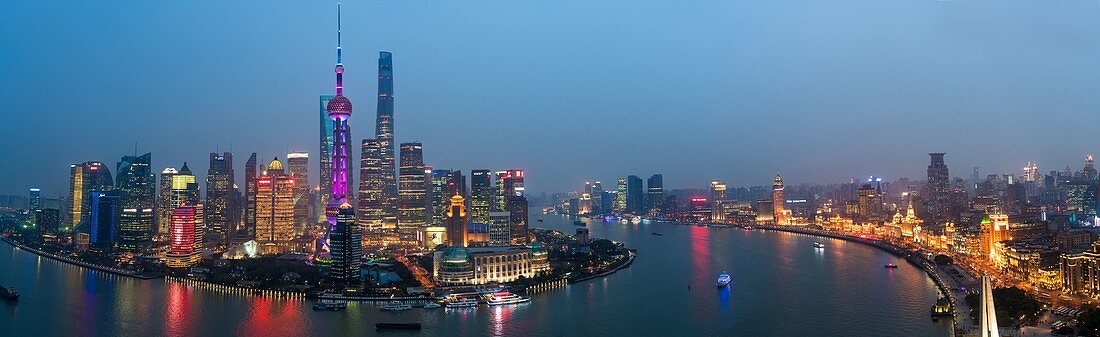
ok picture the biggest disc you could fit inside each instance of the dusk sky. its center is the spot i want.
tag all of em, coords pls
(568, 90)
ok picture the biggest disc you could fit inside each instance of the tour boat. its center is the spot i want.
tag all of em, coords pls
(819, 245)
(463, 303)
(636, 221)
(724, 279)
(748, 228)
(891, 265)
(397, 306)
(397, 326)
(502, 298)
(9, 293)
(330, 305)
(432, 305)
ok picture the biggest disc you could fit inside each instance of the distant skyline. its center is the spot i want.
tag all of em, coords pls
(572, 91)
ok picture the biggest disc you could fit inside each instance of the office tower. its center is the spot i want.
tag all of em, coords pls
(48, 220)
(439, 199)
(1089, 172)
(412, 197)
(220, 194)
(182, 238)
(779, 202)
(635, 199)
(1031, 172)
(939, 190)
(185, 190)
(620, 196)
(509, 184)
(36, 199)
(326, 156)
(251, 176)
(717, 199)
(83, 179)
(345, 243)
(339, 110)
(103, 219)
(655, 194)
(275, 209)
(298, 168)
(481, 195)
(136, 186)
(517, 207)
(500, 229)
(457, 222)
(597, 198)
(370, 207)
(500, 197)
(164, 200)
(384, 135)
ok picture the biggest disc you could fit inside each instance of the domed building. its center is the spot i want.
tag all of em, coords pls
(454, 266)
(540, 259)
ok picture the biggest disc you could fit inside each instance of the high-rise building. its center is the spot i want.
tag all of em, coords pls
(439, 199)
(36, 199)
(597, 198)
(517, 209)
(345, 242)
(181, 239)
(339, 110)
(298, 168)
(47, 220)
(136, 187)
(717, 199)
(635, 197)
(655, 194)
(275, 209)
(1089, 172)
(620, 196)
(939, 190)
(164, 200)
(185, 191)
(103, 219)
(385, 136)
(500, 229)
(1031, 172)
(457, 222)
(371, 206)
(326, 156)
(412, 213)
(481, 195)
(76, 194)
(251, 176)
(83, 179)
(219, 208)
(779, 202)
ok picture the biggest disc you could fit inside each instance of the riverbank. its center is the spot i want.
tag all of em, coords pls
(625, 263)
(79, 263)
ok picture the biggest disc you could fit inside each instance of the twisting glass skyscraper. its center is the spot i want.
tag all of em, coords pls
(384, 135)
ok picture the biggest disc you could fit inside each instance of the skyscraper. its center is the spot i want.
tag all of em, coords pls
(275, 209)
(385, 136)
(517, 207)
(137, 192)
(439, 199)
(103, 219)
(779, 202)
(635, 199)
(164, 200)
(370, 208)
(185, 191)
(412, 214)
(457, 222)
(620, 196)
(939, 190)
(339, 110)
(36, 199)
(181, 242)
(481, 195)
(346, 244)
(326, 155)
(83, 179)
(250, 178)
(298, 168)
(655, 194)
(509, 184)
(219, 209)
(717, 199)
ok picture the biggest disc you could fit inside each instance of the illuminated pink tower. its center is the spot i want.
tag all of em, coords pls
(339, 109)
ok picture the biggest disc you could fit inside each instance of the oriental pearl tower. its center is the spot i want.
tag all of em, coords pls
(339, 109)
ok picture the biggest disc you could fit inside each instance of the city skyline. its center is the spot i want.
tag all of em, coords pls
(966, 104)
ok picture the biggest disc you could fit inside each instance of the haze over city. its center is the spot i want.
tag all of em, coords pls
(568, 91)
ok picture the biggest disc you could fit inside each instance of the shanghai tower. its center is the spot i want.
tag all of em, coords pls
(384, 135)
(339, 109)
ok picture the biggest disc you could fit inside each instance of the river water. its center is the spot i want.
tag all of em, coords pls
(782, 286)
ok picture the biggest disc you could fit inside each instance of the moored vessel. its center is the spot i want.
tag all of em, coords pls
(397, 306)
(502, 298)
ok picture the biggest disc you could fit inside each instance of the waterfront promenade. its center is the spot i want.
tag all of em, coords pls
(64, 259)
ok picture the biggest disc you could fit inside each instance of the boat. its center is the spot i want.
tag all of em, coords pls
(397, 306)
(397, 326)
(748, 228)
(579, 223)
(463, 303)
(636, 221)
(624, 221)
(539, 220)
(819, 245)
(432, 305)
(330, 305)
(505, 297)
(891, 265)
(657, 234)
(9, 293)
(723, 279)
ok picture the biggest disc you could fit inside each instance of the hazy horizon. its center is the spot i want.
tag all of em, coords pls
(569, 91)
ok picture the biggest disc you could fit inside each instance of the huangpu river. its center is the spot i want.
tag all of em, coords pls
(782, 286)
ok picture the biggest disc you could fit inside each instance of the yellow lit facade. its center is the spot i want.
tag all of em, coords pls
(275, 210)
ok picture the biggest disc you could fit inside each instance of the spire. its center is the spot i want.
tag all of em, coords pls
(339, 52)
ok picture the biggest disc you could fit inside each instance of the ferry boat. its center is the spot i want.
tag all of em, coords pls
(9, 293)
(463, 303)
(330, 305)
(819, 245)
(723, 279)
(396, 306)
(432, 305)
(502, 298)
(397, 326)
(891, 265)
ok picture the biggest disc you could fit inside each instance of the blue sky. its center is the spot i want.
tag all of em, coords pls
(569, 90)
